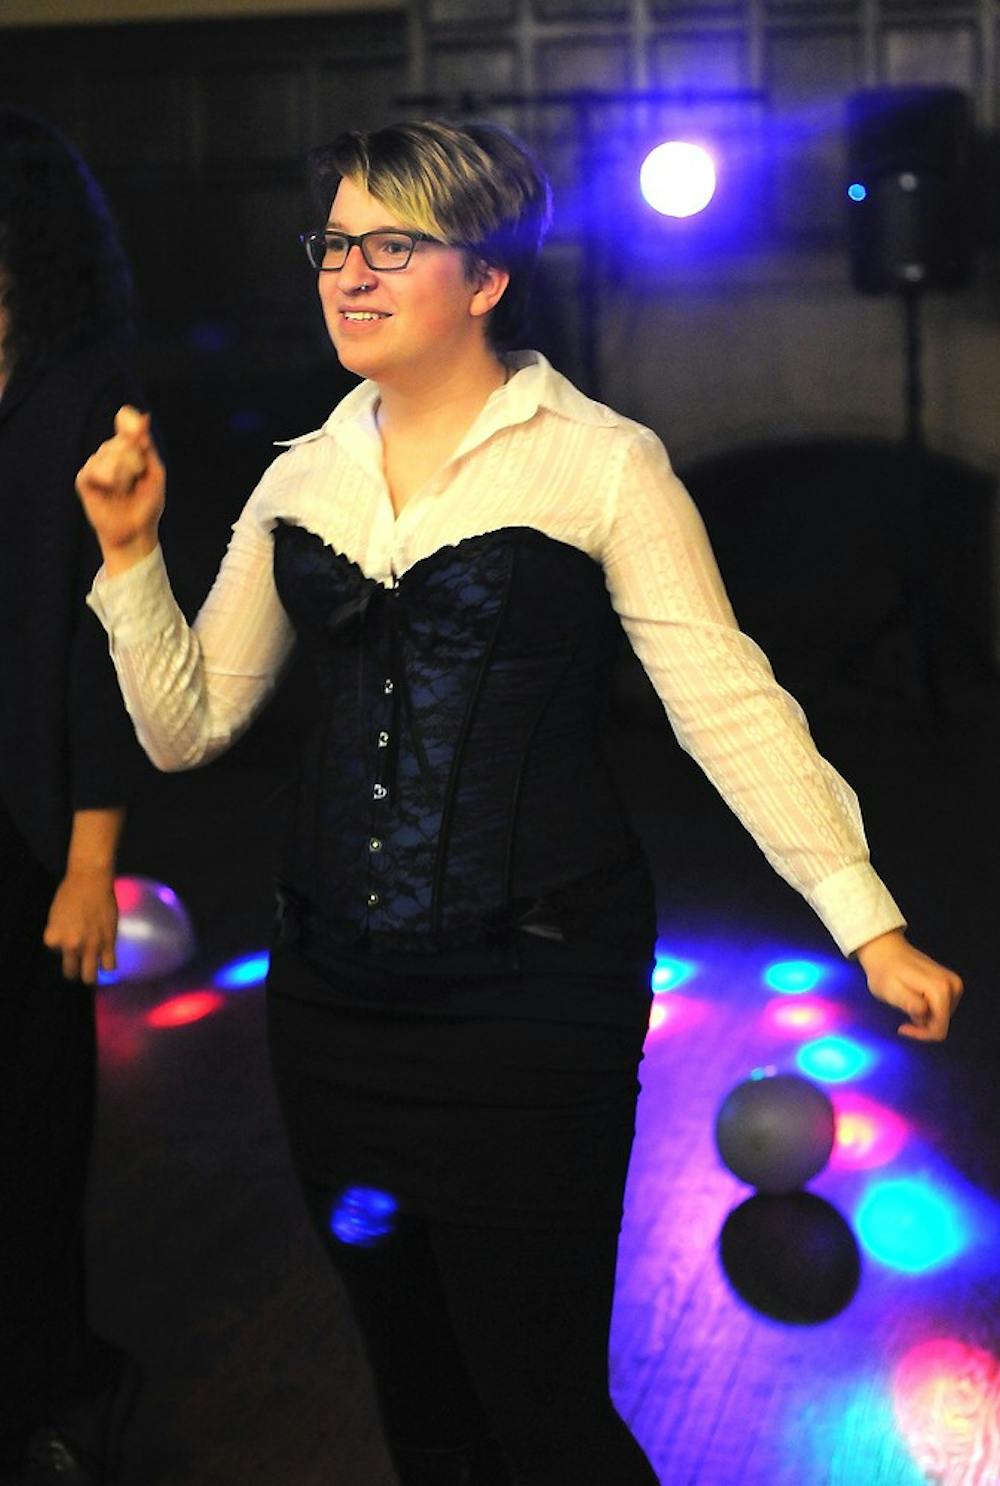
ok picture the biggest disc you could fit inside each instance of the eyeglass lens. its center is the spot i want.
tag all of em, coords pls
(385, 250)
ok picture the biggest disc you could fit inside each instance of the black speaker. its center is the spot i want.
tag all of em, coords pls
(910, 210)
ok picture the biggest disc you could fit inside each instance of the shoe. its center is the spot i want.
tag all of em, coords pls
(82, 1446)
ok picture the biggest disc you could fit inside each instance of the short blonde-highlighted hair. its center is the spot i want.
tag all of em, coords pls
(472, 185)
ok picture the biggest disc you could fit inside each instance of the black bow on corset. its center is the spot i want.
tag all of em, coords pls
(385, 634)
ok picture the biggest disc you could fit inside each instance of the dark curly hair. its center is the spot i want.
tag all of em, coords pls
(63, 274)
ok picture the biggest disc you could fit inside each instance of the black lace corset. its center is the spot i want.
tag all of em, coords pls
(454, 789)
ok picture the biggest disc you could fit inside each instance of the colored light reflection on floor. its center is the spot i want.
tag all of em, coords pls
(806, 1018)
(179, 1011)
(250, 970)
(947, 1401)
(868, 1134)
(670, 1014)
(794, 977)
(847, 1434)
(911, 1225)
(118, 1034)
(834, 1060)
(363, 1216)
(669, 972)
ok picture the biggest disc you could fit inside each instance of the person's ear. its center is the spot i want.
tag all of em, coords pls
(490, 283)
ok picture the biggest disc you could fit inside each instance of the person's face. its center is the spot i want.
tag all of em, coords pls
(390, 326)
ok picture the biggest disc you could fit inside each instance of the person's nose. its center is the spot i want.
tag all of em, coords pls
(355, 272)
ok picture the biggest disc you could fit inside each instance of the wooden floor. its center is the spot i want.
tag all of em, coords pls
(204, 1267)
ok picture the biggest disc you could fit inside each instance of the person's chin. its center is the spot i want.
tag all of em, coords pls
(352, 362)
(363, 361)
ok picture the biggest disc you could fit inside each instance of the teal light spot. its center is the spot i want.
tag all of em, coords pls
(908, 1224)
(793, 977)
(834, 1060)
(670, 972)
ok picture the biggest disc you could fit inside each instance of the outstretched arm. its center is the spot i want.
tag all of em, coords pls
(750, 737)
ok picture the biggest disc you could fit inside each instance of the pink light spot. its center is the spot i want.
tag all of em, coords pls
(672, 1013)
(128, 894)
(190, 1006)
(947, 1402)
(801, 1017)
(868, 1135)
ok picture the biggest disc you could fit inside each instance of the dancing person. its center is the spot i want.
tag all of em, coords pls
(68, 764)
(459, 987)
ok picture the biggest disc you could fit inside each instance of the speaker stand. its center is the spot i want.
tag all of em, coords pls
(917, 585)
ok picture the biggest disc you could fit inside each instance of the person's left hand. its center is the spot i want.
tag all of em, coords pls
(904, 977)
(83, 921)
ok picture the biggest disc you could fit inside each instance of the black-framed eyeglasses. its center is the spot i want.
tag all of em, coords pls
(385, 249)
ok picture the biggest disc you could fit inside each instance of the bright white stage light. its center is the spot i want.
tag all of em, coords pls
(677, 179)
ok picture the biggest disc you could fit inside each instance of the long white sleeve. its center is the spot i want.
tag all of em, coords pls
(192, 690)
(724, 704)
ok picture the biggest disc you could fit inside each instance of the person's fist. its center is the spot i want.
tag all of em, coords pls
(119, 462)
(121, 487)
(902, 976)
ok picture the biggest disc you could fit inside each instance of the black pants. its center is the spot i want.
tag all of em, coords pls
(47, 1065)
(489, 1351)
(488, 1342)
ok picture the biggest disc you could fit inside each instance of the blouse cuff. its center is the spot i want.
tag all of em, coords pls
(856, 906)
(136, 605)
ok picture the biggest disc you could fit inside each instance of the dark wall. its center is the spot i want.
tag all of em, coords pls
(198, 133)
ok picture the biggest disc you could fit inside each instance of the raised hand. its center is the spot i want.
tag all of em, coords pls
(904, 977)
(122, 488)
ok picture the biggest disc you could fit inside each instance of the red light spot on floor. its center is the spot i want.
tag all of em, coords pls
(190, 1006)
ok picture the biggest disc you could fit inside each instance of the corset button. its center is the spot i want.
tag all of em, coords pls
(374, 844)
(388, 686)
(373, 900)
(383, 739)
(379, 792)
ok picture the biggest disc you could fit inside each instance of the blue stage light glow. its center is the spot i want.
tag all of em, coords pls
(677, 178)
(794, 977)
(669, 972)
(363, 1216)
(250, 970)
(908, 1224)
(834, 1060)
(857, 192)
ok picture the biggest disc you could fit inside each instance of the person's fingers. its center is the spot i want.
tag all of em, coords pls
(70, 964)
(88, 965)
(112, 469)
(108, 961)
(931, 1023)
(133, 425)
(910, 1002)
(933, 1031)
